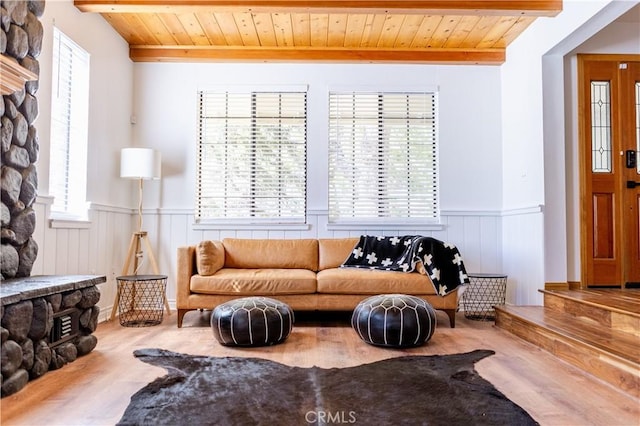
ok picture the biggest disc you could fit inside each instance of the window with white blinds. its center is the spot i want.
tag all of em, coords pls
(252, 157)
(383, 157)
(69, 126)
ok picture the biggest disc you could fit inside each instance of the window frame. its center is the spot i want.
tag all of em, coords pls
(253, 222)
(386, 222)
(69, 132)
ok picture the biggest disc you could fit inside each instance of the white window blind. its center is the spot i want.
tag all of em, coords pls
(382, 157)
(69, 125)
(252, 157)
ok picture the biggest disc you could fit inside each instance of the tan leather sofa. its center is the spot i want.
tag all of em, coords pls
(304, 273)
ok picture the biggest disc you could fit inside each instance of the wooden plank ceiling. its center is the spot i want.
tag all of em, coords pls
(443, 32)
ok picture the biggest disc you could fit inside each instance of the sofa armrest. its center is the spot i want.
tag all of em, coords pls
(186, 269)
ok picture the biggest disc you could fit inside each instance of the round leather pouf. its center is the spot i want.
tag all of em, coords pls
(251, 321)
(394, 320)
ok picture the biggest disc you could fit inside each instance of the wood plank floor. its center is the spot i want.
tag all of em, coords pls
(95, 389)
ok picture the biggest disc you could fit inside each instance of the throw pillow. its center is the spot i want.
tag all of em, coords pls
(209, 257)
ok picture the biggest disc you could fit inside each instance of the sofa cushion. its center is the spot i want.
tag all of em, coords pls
(253, 282)
(366, 281)
(333, 252)
(262, 253)
(209, 257)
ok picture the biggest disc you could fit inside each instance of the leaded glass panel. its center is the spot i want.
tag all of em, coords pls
(601, 126)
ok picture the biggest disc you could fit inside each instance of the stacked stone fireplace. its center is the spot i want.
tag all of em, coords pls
(47, 321)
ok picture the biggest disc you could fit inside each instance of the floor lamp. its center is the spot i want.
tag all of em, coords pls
(141, 164)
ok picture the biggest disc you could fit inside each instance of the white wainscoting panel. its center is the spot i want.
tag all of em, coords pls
(101, 247)
(476, 234)
(97, 249)
(523, 254)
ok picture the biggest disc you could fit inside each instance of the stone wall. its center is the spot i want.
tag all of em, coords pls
(32, 309)
(20, 38)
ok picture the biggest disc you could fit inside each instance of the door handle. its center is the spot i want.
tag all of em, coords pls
(632, 184)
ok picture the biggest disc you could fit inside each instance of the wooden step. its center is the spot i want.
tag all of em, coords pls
(608, 354)
(615, 309)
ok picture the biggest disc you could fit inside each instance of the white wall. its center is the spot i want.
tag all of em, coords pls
(523, 237)
(110, 91)
(165, 106)
(470, 154)
(534, 175)
(97, 247)
(618, 37)
(522, 94)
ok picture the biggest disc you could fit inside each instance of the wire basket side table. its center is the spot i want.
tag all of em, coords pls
(141, 302)
(483, 293)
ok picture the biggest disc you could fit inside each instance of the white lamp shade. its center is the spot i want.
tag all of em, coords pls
(140, 163)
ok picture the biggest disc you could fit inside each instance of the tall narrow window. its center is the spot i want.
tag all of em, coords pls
(382, 157)
(252, 157)
(69, 126)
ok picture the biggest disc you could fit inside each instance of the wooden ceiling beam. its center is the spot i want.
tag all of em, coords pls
(424, 7)
(275, 54)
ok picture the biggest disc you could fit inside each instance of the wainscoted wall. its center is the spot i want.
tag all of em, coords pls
(477, 235)
(99, 246)
(523, 254)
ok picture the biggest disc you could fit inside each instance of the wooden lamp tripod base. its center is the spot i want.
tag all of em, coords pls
(135, 255)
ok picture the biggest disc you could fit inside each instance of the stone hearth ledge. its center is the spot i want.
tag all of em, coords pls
(17, 289)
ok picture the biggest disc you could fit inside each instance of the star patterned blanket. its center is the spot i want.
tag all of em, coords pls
(442, 262)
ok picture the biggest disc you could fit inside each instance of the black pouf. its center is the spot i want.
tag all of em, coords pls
(394, 320)
(251, 321)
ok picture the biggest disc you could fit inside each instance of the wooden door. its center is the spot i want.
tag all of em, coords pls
(630, 123)
(608, 99)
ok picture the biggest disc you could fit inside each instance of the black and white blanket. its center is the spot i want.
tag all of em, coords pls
(442, 262)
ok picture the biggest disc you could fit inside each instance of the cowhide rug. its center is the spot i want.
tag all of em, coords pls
(410, 390)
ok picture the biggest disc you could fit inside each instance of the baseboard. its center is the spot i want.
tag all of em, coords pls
(569, 285)
(574, 285)
(556, 286)
(105, 314)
